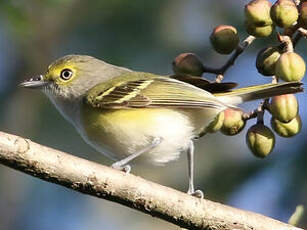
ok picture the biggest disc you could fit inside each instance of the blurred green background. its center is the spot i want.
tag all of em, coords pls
(144, 36)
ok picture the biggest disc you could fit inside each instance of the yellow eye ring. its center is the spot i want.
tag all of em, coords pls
(66, 74)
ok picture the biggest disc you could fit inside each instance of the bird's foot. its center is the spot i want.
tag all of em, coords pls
(196, 193)
(124, 168)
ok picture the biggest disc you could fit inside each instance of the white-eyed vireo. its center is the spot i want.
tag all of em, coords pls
(125, 114)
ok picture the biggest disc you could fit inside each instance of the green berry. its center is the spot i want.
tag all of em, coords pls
(216, 124)
(266, 60)
(284, 107)
(260, 140)
(188, 64)
(224, 39)
(289, 129)
(290, 67)
(257, 13)
(284, 13)
(259, 31)
(233, 122)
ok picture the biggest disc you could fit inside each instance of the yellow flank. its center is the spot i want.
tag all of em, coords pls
(129, 116)
(100, 125)
(125, 131)
(123, 117)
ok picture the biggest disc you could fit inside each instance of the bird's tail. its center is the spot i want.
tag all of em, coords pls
(238, 96)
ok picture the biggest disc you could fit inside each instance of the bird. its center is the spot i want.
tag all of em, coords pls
(141, 117)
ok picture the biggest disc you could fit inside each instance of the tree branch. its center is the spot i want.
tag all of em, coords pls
(132, 191)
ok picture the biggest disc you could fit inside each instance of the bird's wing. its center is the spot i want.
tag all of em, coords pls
(205, 84)
(148, 90)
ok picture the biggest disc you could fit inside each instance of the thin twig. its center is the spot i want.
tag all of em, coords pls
(289, 31)
(257, 113)
(274, 79)
(219, 78)
(264, 105)
(241, 47)
(250, 115)
(297, 2)
(236, 54)
(301, 32)
(104, 182)
(287, 42)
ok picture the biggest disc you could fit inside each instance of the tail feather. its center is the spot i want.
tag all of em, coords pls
(239, 96)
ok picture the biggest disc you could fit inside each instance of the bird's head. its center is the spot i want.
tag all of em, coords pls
(72, 76)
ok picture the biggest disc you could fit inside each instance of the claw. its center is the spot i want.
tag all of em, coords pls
(197, 193)
(125, 168)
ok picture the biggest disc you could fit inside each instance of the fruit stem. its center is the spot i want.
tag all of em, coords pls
(239, 50)
(297, 2)
(260, 110)
(250, 115)
(274, 79)
(260, 116)
(301, 32)
(219, 78)
(291, 30)
(258, 113)
(286, 40)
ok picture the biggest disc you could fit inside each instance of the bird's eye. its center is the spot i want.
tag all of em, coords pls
(66, 74)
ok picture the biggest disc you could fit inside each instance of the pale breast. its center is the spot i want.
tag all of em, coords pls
(119, 133)
(126, 131)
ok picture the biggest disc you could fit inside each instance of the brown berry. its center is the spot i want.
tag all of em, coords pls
(224, 39)
(188, 64)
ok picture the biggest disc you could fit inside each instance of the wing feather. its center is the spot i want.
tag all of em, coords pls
(148, 90)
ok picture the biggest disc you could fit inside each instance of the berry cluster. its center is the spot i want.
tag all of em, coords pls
(280, 62)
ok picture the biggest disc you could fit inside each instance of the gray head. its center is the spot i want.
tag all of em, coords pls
(73, 75)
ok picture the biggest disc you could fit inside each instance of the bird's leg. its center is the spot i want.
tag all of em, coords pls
(123, 164)
(192, 191)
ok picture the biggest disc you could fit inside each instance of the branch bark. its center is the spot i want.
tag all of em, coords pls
(129, 190)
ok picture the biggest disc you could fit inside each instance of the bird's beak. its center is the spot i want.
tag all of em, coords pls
(34, 83)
